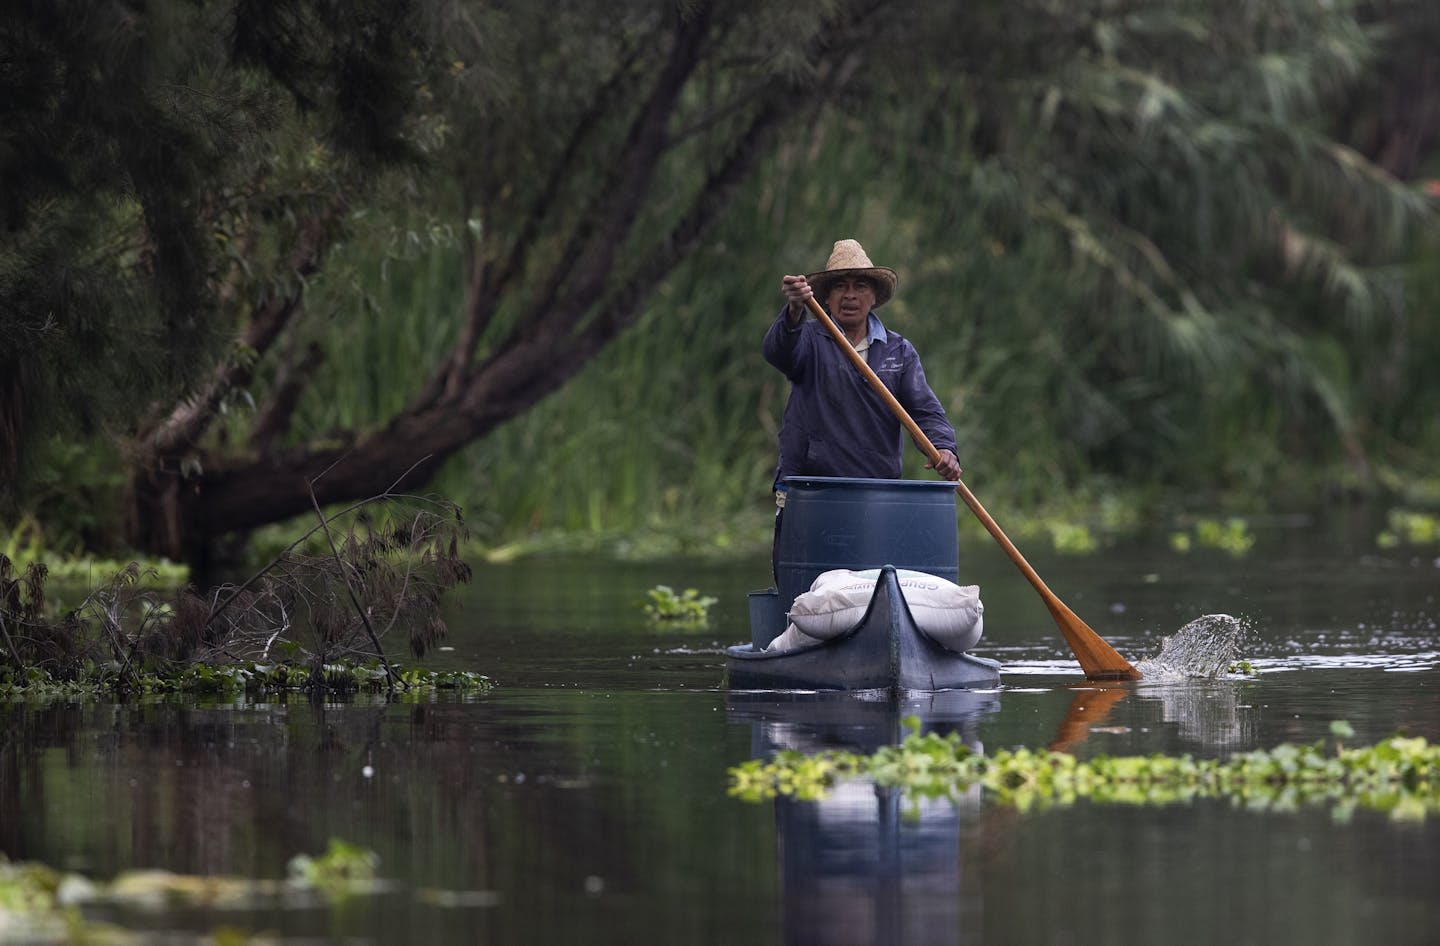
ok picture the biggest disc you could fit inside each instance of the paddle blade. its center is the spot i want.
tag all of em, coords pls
(1098, 659)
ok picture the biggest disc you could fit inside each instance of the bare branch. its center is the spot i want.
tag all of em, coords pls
(388, 494)
(354, 600)
(607, 222)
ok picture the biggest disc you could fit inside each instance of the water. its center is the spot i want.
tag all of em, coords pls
(585, 800)
(1207, 647)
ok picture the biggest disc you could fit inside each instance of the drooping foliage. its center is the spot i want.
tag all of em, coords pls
(1224, 253)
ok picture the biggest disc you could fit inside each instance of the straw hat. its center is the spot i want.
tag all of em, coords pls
(848, 259)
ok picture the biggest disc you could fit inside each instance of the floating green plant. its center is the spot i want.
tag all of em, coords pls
(1407, 527)
(344, 869)
(41, 905)
(97, 679)
(1233, 535)
(1072, 537)
(1400, 776)
(662, 604)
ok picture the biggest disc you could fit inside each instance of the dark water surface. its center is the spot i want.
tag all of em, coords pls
(584, 800)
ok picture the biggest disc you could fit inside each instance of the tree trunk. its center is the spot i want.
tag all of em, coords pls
(182, 501)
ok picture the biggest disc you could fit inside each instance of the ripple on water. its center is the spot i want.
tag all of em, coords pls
(1390, 663)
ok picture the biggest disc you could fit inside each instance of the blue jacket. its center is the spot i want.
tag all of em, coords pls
(834, 424)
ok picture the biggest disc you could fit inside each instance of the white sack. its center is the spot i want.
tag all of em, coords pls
(951, 615)
(791, 639)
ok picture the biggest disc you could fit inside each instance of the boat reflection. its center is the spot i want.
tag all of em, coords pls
(868, 865)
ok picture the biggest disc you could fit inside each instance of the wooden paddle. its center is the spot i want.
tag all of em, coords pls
(1097, 658)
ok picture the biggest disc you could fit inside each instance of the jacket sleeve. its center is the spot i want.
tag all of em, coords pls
(783, 346)
(919, 400)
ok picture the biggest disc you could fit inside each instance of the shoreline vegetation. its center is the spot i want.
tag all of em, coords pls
(307, 621)
(315, 618)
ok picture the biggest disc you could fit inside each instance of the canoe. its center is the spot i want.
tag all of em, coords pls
(853, 523)
(886, 650)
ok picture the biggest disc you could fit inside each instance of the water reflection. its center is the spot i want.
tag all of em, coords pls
(868, 865)
(1090, 708)
(1207, 713)
(871, 865)
(1211, 713)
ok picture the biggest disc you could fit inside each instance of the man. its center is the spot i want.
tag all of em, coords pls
(834, 424)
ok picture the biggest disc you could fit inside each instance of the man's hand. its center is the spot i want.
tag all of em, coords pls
(796, 290)
(948, 467)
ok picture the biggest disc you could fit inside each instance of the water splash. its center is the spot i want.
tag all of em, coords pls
(1207, 647)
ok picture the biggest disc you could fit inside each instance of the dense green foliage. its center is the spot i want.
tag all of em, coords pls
(140, 144)
(1144, 248)
(1134, 264)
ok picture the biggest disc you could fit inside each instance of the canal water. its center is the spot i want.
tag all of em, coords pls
(585, 800)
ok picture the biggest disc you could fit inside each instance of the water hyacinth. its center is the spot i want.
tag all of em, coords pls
(664, 605)
(1398, 775)
(39, 904)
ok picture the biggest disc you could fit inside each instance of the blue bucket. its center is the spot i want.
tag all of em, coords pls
(844, 522)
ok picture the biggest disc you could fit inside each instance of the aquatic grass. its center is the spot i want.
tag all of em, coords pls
(26, 543)
(707, 536)
(1399, 776)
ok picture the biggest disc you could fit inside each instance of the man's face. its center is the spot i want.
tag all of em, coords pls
(850, 300)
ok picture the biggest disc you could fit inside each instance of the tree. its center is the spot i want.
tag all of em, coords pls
(592, 151)
(584, 154)
(158, 159)
(1238, 252)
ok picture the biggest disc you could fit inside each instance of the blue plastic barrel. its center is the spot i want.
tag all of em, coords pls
(843, 522)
